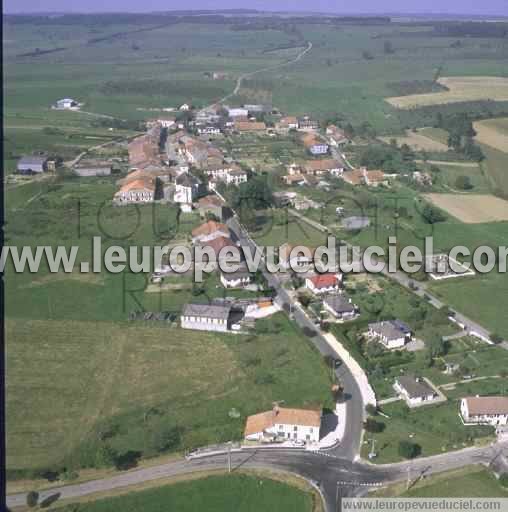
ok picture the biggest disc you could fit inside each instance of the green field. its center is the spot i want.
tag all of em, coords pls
(470, 481)
(136, 381)
(237, 492)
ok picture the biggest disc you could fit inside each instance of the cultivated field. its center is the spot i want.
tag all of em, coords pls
(493, 132)
(473, 208)
(417, 141)
(461, 88)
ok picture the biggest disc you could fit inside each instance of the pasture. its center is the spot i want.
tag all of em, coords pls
(417, 141)
(134, 379)
(472, 208)
(460, 89)
(214, 493)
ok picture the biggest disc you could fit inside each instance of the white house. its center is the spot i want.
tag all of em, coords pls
(323, 283)
(236, 279)
(341, 307)
(391, 333)
(136, 191)
(238, 112)
(415, 391)
(485, 410)
(185, 107)
(205, 317)
(32, 164)
(186, 189)
(284, 424)
(289, 257)
(67, 104)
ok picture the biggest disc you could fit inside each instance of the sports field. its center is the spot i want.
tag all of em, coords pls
(472, 208)
(461, 89)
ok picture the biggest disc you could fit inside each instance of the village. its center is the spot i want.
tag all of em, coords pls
(194, 159)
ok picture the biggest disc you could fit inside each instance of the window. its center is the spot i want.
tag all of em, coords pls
(295, 428)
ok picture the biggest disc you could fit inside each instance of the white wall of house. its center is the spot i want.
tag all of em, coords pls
(318, 291)
(412, 401)
(203, 323)
(484, 419)
(135, 196)
(340, 316)
(235, 283)
(288, 432)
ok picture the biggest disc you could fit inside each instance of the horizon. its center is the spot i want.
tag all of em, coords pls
(489, 8)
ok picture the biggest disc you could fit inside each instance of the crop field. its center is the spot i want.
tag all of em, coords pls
(461, 89)
(117, 374)
(493, 132)
(472, 208)
(417, 141)
(218, 493)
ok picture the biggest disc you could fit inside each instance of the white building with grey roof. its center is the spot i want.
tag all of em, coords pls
(205, 317)
(392, 334)
(341, 307)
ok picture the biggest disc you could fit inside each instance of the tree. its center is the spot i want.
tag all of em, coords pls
(409, 450)
(371, 410)
(503, 480)
(32, 499)
(373, 426)
(463, 182)
(388, 47)
(432, 215)
(496, 338)
(105, 456)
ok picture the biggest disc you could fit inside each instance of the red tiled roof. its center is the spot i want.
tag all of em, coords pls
(282, 416)
(324, 280)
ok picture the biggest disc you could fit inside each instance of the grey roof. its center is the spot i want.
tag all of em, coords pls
(32, 160)
(391, 329)
(207, 311)
(415, 386)
(187, 180)
(339, 303)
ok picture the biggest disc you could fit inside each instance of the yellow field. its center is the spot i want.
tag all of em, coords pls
(461, 88)
(493, 133)
(472, 208)
(417, 141)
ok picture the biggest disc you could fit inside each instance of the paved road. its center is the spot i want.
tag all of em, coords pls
(336, 476)
(350, 445)
(241, 78)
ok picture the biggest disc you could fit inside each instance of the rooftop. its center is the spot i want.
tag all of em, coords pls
(339, 303)
(391, 329)
(481, 405)
(324, 280)
(209, 227)
(207, 311)
(415, 386)
(282, 416)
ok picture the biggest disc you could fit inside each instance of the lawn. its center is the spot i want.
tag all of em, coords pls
(236, 492)
(68, 381)
(470, 481)
(435, 428)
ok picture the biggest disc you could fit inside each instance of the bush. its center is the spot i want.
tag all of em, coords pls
(503, 480)
(496, 338)
(371, 410)
(409, 450)
(373, 426)
(32, 498)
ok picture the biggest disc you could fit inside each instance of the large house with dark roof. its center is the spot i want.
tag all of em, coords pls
(341, 307)
(415, 391)
(392, 334)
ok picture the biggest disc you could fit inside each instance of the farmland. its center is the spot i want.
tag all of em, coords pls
(493, 132)
(473, 208)
(418, 141)
(460, 89)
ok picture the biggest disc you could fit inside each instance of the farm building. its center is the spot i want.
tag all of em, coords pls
(86, 168)
(32, 164)
(205, 317)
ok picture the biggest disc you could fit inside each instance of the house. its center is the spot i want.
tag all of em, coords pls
(217, 244)
(205, 317)
(237, 112)
(231, 174)
(186, 189)
(212, 205)
(283, 199)
(236, 176)
(422, 178)
(374, 178)
(314, 145)
(91, 167)
(146, 148)
(485, 410)
(236, 279)
(66, 104)
(354, 177)
(415, 391)
(249, 126)
(323, 283)
(391, 333)
(290, 180)
(337, 137)
(136, 191)
(184, 108)
(305, 123)
(320, 167)
(284, 424)
(285, 124)
(257, 108)
(208, 231)
(164, 121)
(340, 306)
(32, 164)
(209, 129)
